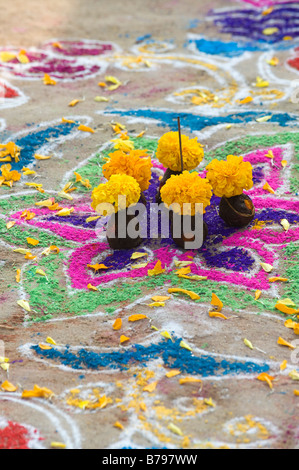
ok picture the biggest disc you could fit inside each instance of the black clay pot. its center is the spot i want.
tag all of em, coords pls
(237, 211)
(188, 237)
(117, 228)
(168, 173)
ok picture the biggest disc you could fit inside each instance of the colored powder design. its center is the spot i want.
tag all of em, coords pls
(14, 436)
(250, 22)
(233, 48)
(7, 92)
(198, 122)
(294, 62)
(33, 141)
(80, 48)
(172, 355)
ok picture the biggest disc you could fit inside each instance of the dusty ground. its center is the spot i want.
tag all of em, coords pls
(222, 408)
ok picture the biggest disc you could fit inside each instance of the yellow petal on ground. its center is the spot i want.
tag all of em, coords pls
(246, 100)
(68, 121)
(264, 118)
(173, 373)
(97, 266)
(42, 157)
(24, 304)
(296, 393)
(257, 294)
(267, 267)
(65, 195)
(216, 314)
(165, 334)
(248, 343)
(285, 309)
(6, 56)
(65, 211)
(285, 224)
(118, 425)
(283, 342)
(90, 219)
(10, 224)
(137, 255)
(270, 154)
(21, 250)
(100, 99)
(183, 271)
(8, 386)
(277, 278)
(18, 275)
(294, 374)
(156, 304)
(287, 301)
(194, 277)
(29, 256)
(139, 265)
(50, 340)
(39, 392)
(45, 203)
(74, 102)
(187, 380)
(117, 324)
(264, 377)
(283, 365)
(123, 339)
(48, 80)
(58, 445)
(268, 188)
(191, 294)
(182, 263)
(156, 270)
(209, 401)
(137, 317)
(150, 387)
(184, 345)
(271, 30)
(274, 61)
(216, 301)
(284, 163)
(85, 129)
(175, 429)
(44, 346)
(32, 241)
(4, 363)
(160, 298)
(91, 287)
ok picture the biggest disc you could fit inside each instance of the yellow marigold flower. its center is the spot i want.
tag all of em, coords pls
(120, 191)
(186, 188)
(168, 151)
(135, 163)
(229, 177)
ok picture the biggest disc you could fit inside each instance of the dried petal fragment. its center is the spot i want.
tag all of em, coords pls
(283, 365)
(160, 298)
(39, 392)
(165, 334)
(285, 309)
(283, 342)
(216, 302)
(266, 267)
(190, 293)
(97, 266)
(157, 304)
(150, 387)
(216, 314)
(137, 317)
(118, 425)
(123, 339)
(264, 377)
(58, 445)
(117, 324)
(172, 373)
(276, 278)
(184, 345)
(175, 429)
(187, 380)
(10, 224)
(156, 270)
(48, 80)
(257, 294)
(285, 224)
(24, 304)
(18, 275)
(32, 241)
(86, 129)
(137, 255)
(248, 343)
(294, 374)
(8, 386)
(91, 287)
(268, 188)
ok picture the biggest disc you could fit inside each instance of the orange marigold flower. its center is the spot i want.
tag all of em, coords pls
(168, 151)
(120, 191)
(134, 163)
(229, 177)
(186, 188)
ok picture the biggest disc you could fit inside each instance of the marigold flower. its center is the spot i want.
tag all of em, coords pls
(229, 177)
(168, 151)
(135, 163)
(120, 191)
(186, 188)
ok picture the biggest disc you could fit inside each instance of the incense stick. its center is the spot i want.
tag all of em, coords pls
(180, 140)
